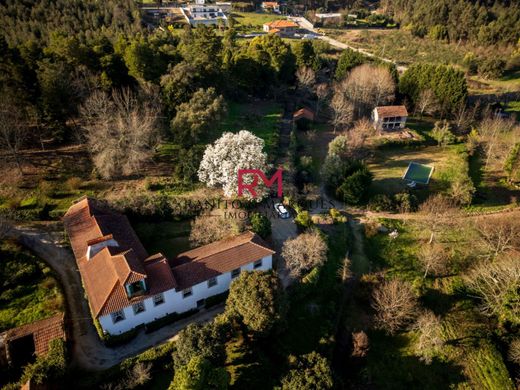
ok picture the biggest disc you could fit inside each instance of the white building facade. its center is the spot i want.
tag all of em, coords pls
(173, 301)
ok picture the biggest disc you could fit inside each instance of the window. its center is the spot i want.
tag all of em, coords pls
(257, 264)
(212, 282)
(187, 293)
(158, 299)
(138, 307)
(118, 316)
(200, 303)
(235, 273)
(135, 288)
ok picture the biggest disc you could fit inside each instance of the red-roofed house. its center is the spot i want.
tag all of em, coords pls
(126, 287)
(271, 6)
(389, 117)
(281, 27)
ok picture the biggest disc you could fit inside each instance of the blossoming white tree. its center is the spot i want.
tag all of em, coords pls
(228, 154)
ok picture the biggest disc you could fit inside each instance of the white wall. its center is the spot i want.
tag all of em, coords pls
(174, 301)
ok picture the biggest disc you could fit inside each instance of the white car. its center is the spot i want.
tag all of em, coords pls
(281, 210)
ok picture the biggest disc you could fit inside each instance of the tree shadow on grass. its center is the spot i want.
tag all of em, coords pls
(438, 302)
(390, 365)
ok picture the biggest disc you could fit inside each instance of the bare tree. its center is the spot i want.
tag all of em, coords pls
(206, 229)
(426, 102)
(513, 353)
(360, 344)
(465, 117)
(368, 86)
(499, 234)
(395, 304)
(138, 375)
(306, 78)
(304, 252)
(430, 339)
(439, 211)
(345, 271)
(433, 258)
(121, 131)
(322, 93)
(358, 135)
(497, 135)
(342, 108)
(13, 129)
(496, 285)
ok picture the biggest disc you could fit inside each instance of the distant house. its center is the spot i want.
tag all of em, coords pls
(271, 6)
(281, 27)
(389, 117)
(208, 15)
(303, 117)
(303, 113)
(126, 287)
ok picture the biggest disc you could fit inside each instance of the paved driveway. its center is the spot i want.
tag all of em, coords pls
(282, 229)
(87, 349)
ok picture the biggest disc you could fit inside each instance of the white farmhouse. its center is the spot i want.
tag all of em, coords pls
(389, 117)
(126, 287)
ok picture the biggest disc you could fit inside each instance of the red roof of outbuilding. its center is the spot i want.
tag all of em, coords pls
(388, 111)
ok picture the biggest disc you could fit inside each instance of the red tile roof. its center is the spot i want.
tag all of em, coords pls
(304, 113)
(200, 264)
(281, 24)
(106, 273)
(43, 331)
(389, 111)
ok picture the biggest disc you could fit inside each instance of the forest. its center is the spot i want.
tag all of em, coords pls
(393, 287)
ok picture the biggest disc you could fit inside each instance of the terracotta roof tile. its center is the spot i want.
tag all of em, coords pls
(200, 264)
(43, 331)
(388, 111)
(106, 273)
(304, 113)
(281, 24)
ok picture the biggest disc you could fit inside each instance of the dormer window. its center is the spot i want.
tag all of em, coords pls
(136, 288)
(96, 245)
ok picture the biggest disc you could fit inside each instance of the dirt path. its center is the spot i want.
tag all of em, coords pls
(360, 261)
(303, 23)
(88, 351)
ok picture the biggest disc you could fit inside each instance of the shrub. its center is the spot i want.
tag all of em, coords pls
(261, 225)
(46, 188)
(73, 183)
(303, 220)
(355, 187)
(405, 202)
(167, 320)
(337, 217)
(381, 202)
(49, 368)
(492, 68)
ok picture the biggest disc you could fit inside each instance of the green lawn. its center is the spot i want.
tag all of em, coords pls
(169, 238)
(253, 21)
(469, 358)
(261, 118)
(29, 290)
(389, 164)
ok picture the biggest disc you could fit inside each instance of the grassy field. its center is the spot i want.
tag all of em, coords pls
(260, 117)
(469, 358)
(389, 165)
(29, 290)
(253, 21)
(400, 46)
